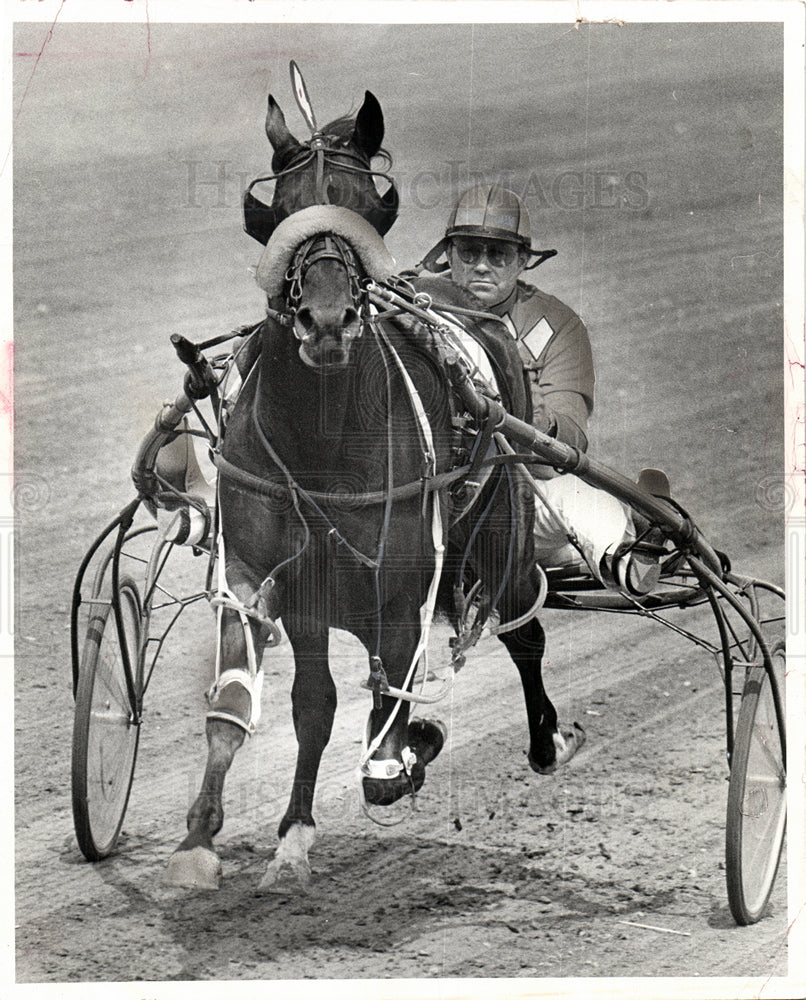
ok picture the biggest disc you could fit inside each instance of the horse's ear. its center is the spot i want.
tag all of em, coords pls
(276, 128)
(368, 134)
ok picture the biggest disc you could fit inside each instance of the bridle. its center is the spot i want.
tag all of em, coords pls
(323, 246)
(260, 219)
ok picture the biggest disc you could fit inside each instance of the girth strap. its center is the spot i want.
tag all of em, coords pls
(270, 488)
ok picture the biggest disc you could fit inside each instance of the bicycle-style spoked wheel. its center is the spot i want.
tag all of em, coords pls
(106, 728)
(756, 820)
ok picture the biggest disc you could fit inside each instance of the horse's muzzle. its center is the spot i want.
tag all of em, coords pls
(325, 341)
(325, 357)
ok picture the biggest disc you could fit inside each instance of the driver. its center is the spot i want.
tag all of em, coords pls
(486, 249)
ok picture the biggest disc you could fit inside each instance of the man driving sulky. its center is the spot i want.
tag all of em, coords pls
(486, 249)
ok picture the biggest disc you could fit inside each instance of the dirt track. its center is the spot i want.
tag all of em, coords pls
(121, 239)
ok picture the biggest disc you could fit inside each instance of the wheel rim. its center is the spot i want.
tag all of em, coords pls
(113, 731)
(763, 805)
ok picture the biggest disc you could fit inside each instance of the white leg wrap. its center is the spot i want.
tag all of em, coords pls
(292, 852)
(293, 848)
(252, 684)
(386, 769)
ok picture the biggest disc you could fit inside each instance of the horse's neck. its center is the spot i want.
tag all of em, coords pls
(323, 423)
(296, 406)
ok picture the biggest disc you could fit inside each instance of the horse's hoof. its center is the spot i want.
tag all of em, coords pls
(567, 741)
(197, 868)
(386, 791)
(427, 738)
(285, 879)
(289, 871)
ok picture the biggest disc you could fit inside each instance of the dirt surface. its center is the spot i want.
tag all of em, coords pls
(122, 238)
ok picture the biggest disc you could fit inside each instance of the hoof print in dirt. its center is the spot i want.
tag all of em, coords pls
(282, 879)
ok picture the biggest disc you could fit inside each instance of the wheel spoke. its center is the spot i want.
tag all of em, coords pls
(112, 681)
(769, 747)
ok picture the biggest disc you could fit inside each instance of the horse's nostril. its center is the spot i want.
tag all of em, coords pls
(303, 323)
(350, 318)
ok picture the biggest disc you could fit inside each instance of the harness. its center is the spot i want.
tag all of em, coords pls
(423, 323)
(432, 484)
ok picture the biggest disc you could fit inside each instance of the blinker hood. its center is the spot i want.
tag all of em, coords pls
(260, 220)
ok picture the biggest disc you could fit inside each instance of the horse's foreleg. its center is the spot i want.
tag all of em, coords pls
(397, 765)
(195, 864)
(550, 744)
(313, 700)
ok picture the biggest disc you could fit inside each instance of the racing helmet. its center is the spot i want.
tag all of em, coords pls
(491, 211)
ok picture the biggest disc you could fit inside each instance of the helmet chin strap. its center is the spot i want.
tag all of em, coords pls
(542, 257)
(431, 261)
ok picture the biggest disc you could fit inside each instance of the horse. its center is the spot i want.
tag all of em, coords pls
(331, 513)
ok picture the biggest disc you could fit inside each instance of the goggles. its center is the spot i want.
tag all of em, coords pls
(497, 253)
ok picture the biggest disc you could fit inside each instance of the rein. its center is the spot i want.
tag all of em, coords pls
(418, 309)
(299, 493)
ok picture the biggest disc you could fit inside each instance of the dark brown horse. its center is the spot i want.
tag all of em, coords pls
(329, 508)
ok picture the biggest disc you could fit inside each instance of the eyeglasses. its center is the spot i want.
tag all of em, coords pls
(498, 253)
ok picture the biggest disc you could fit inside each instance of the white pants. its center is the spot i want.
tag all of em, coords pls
(598, 521)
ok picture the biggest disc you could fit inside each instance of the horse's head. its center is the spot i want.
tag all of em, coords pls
(325, 296)
(334, 167)
(323, 229)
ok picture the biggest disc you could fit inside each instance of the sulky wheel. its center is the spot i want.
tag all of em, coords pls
(756, 821)
(106, 729)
